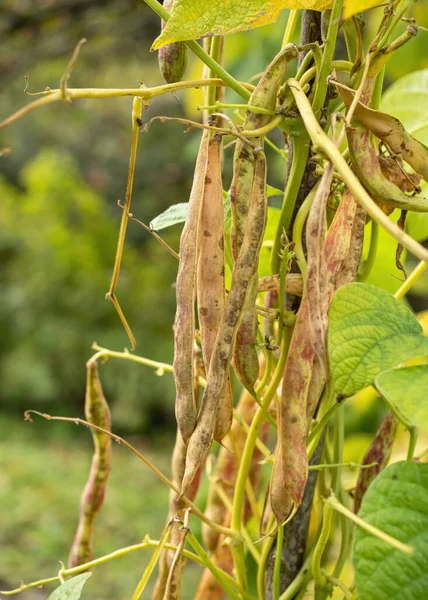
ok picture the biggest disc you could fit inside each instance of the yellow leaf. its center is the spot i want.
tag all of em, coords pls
(191, 19)
(352, 7)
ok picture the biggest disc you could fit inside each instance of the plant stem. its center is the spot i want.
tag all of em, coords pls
(137, 107)
(290, 29)
(409, 550)
(153, 562)
(327, 56)
(317, 430)
(413, 432)
(299, 580)
(345, 539)
(255, 109)
(229, 585)
(298, 167)
(51, 96)
(371, 258)
(204, 56)
(224, 530)
(320, 139)
(262, 568)
(339, 433)
(299, 223)
(253, 434)
(147, 543)
(278, 563)
(414, 276)
(215, 54)
(318, 576)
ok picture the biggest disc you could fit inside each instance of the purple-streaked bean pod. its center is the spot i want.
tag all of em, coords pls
(97, 412)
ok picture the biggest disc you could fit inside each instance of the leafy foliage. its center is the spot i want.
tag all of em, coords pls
(71, 589)
(369, 332)
(395, 503)
(406, 388)
(192, 19)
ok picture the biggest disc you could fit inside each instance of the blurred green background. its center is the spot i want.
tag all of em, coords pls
(59, 221)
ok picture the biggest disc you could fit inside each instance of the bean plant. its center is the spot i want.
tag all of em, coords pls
(276, 329)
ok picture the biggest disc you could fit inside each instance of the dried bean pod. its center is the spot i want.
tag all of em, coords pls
(97, 412)
(303, 371)
(172, 57)
(264, 96)
(244, 269)
(366, 164)
(246, 359)
(176, 507)
(293, 283)
(210, 276)
(184, 324)
(226, 468)
(379, 452)
(391, 131)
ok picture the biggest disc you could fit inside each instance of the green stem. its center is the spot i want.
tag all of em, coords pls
(278, 561)
(226, 582)
(146, 94)
(267, 372)
(286, 257)
(147, 543)
(256, 109)
(405, 548)
(293, 17)
(204, 56)
(153, 562)
(299, 223)
(398, 14)
(253, 434)
(298, 167)
(302, 579)
(339, 433)
(318, 576)
(327, 56)
(262, 567)
(371, 258)
(316, 432)
(345, 540)
(414, 276)
(320, 139)
(413, 432)
(338, 65)
(215, 53)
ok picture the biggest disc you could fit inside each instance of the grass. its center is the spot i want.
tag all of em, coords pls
(43, 468)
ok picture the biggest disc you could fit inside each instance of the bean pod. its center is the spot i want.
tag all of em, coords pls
(97, 412)
(172, 57)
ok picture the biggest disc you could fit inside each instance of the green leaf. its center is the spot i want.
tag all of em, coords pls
(396, 503)
(71, 589)
(407, 100)
(173, 215)
(407, 389)
(369, 331)
(177, 213)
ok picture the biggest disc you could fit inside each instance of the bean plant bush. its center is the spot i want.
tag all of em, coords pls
(277, 329)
